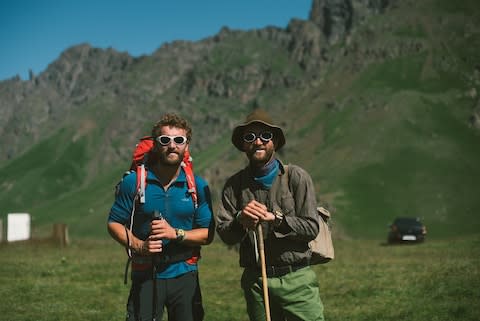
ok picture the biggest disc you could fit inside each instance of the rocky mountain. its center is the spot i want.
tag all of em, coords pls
(357, 87)
(82, 74)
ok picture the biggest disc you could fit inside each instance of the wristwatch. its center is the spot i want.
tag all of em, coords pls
(180, 234)
(278, 218)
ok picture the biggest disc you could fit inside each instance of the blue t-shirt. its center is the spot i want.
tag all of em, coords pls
(175, 204)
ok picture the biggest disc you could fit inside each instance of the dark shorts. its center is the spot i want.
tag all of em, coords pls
(181, 296)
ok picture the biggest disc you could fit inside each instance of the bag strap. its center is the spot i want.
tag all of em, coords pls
(286, 180)
(278, 187)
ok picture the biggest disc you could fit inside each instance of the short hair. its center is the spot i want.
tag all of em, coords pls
(172, 120)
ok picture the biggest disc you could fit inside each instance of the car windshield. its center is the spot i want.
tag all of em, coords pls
(403, 221)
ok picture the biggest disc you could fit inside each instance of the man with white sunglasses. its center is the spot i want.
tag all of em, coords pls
(281, 199)
(167, 230)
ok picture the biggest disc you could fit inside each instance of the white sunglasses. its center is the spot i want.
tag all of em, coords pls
(165, 140)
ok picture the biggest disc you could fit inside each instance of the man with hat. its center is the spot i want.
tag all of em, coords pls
(282, 199)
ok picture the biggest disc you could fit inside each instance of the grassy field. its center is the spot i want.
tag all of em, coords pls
(438, 280)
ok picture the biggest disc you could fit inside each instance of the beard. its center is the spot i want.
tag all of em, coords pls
(260, 156)
(169, 157)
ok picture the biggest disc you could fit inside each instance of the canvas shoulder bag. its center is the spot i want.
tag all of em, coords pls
(322, 245)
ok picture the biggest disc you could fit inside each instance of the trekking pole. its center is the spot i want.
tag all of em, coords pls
(261, 248)
(154, 293)
(156, 216)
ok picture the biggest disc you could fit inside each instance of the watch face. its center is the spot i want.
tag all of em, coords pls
(180, 234)
(278, 218)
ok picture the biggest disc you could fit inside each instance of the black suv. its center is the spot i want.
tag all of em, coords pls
(407, 229)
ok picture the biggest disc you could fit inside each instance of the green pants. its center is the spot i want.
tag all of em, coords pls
(293, 297)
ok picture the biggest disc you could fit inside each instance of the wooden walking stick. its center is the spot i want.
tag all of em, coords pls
(261, 249)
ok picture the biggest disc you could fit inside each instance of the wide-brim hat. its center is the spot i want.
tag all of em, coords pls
(258, 116)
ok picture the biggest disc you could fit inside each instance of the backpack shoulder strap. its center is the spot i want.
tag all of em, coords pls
(187, 164)
(286, 180)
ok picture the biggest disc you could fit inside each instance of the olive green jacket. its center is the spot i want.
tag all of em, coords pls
(286, 244)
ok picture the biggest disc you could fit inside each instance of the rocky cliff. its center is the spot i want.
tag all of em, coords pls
(177, 75)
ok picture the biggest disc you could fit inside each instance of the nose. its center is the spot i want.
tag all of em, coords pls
(258, 141)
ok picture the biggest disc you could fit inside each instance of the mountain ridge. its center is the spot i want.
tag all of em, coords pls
(83, 73)
(365, 90)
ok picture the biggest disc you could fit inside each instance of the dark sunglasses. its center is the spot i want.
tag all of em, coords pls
(165, 140)
(251, 137)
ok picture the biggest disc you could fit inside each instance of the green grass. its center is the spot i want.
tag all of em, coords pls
(46, 171)
(410, 165)
(368, 280)
(405, 73)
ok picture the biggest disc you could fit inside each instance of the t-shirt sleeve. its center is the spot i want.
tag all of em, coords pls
(124, 199)
(204, 212)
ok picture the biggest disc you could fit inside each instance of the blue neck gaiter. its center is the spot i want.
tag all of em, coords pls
(266, 174)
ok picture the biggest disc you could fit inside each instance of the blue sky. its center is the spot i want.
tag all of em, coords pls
(33, 33)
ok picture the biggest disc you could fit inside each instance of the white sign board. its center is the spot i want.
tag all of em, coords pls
(18, 225)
